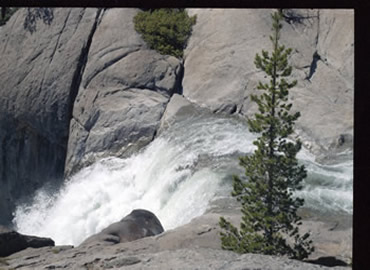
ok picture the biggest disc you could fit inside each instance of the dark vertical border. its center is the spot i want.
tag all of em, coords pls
(361, 203)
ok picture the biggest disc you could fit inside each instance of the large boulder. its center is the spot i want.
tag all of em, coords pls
(123, 93)
(138, 224)
(42, 55)
(12, 241)
(220, 73)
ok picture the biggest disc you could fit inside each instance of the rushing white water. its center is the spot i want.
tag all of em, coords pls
(327, 187)
(176, 177)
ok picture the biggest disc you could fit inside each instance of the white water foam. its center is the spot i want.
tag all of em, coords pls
(162, 179)
(176, 177)
(327, 187)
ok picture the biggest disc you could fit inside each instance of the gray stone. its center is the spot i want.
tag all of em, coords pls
(12, 241)
(138, 224)
(123, 93)
(42, 56)
(120, 262)
(217, 259)
(116, 124)
(192, 246)
(219, 60)
(178, 109)
(220, 72)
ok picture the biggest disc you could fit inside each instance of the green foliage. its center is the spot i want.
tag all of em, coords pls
(268, 206)
(165, 30)
(6, 13)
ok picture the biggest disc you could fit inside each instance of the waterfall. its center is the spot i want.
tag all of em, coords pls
(176, 177)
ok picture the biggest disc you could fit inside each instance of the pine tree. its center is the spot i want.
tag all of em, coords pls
(268, 206)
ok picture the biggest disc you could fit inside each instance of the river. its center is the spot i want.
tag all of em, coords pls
(177, 177)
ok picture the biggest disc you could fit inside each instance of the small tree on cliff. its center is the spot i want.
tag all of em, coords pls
(166, 30)
(268, 206)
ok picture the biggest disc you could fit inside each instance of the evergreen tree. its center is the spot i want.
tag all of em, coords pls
(272, 171)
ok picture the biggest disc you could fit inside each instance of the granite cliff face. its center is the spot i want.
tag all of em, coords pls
(42, 59)
(122, 95)
(76, 86)
(220, 72)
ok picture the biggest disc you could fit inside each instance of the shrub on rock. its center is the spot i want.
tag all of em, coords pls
(166, 30)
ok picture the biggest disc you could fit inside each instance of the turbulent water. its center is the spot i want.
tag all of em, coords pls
(177, 176)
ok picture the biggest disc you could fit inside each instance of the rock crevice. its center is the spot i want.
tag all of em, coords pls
(59, 36)
(77, 77)
(123, 93)
(109, 63)
(40, 70)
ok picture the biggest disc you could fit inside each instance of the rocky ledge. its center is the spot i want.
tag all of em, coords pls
(11, 241)
(193, 246)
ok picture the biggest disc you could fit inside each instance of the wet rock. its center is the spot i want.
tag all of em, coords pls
(138, 224)
(177, 109)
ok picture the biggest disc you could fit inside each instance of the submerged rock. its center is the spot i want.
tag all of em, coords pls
(12, 241)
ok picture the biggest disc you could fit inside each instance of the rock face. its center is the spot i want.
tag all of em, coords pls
(123, 93)
(220, 73)
(192, 246)
(178, 109)
(77, 85)
(12, 242)
(42, 57)
(123, 257)
(138, 224)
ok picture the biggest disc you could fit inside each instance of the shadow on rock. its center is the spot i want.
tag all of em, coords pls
(328, 261)
(12, 241)
(35, 14)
